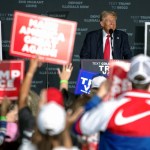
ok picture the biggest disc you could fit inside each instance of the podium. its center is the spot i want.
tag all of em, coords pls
(116, 70)
(95, 65)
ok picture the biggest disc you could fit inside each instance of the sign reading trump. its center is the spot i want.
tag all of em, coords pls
(84, 81)
(52, 39)
(11, 75)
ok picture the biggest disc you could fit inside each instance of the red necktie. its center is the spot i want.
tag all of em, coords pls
(107, 48)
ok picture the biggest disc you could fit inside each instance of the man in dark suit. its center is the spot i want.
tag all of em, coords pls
(93, 46)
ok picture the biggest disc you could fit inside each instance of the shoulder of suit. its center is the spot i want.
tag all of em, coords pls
(94, 32)
(119, 32)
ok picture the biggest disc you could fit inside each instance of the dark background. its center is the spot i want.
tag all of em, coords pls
(132, 16)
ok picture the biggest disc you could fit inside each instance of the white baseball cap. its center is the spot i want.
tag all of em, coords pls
(51, 119)
(140, 65)
(97, 81)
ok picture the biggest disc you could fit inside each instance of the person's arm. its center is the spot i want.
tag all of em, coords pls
(25, 86)
(67, 140)
(65, 75)
(70, 119)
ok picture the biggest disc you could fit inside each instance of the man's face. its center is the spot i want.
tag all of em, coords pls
(108, 22)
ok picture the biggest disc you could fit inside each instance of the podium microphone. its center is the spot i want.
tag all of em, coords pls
(111, 32)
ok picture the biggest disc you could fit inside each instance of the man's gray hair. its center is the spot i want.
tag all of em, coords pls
(105, 13)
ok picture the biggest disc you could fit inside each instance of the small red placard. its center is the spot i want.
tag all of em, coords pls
(11, 76)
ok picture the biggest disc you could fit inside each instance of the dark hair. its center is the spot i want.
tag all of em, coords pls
(93, 91)
(140, 86)
(80, 101)
(69, 98)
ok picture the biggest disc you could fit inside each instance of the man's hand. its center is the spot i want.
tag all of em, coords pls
(66, 72)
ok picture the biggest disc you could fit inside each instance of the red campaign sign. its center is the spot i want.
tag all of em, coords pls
(118, 77)
(50, 38)
(11, 76)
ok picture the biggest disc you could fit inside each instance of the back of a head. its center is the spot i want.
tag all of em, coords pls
(52, 116)
(80, 101)
(139, 73)
(97, 81)
(69, 98)
(51, 119)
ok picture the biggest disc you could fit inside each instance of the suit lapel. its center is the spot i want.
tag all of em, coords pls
(100, 45)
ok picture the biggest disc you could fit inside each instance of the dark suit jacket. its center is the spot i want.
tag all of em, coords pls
(93, 45)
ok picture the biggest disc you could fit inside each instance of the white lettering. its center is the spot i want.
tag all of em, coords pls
(39, 50)
(15, 74)
(83, 80)
(5, 74)
(88, 86)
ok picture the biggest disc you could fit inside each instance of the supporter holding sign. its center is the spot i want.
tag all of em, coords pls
(50, 38)
(11, 75)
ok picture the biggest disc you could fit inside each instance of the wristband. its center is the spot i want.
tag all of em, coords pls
(64, 81)
(3, 118)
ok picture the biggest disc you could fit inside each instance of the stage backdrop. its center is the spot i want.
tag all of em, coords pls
(131, 19)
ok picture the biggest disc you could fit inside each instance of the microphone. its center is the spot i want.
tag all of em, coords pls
(111, 32)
